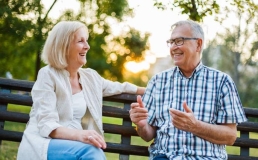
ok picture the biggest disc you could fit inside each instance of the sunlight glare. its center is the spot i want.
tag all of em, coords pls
(136, 67)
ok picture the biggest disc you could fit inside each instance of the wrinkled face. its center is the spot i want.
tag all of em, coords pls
(78, 49)
(186, 56)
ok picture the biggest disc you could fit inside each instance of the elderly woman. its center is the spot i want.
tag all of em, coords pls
(66, 116)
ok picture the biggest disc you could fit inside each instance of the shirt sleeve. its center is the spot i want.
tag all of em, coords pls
(110, 88)
(44, 104)
(230, 106)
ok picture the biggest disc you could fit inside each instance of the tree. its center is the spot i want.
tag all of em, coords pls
(30, 20)
(22, 34)
(108, 52)
(236, 52)
(198, 9)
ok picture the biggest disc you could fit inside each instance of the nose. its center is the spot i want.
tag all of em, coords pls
(86, 45)
(173, 46)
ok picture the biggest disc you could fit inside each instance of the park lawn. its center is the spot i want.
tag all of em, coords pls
(8, 149)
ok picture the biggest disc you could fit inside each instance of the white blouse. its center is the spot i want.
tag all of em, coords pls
(79, 109)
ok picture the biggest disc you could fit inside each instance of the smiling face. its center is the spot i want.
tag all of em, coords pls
(78, 49)
(186, 56)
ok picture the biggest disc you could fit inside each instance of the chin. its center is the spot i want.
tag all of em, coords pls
(83, 63)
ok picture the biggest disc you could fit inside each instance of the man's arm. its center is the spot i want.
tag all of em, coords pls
(139, 115)
(219, 134)
(146, 132)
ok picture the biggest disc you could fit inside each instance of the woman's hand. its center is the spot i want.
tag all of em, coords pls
(91, 137)
(86, 136)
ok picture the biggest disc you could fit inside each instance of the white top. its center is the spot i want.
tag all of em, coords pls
(79, 109)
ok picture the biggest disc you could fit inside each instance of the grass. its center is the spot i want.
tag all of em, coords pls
(8, 149)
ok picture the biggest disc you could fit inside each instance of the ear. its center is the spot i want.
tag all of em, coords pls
(199, 45)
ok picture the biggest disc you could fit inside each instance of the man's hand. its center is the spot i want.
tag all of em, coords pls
(184, 120)
(138, 113)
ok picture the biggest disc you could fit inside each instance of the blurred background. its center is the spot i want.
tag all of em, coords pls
(128, 37)
(128, 43)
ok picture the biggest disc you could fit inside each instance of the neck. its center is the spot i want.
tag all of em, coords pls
(187, 72)
(73, 72)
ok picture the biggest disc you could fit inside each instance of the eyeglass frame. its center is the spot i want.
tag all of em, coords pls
(172, 41)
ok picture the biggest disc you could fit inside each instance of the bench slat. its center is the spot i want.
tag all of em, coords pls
(14, 116)
(16, 99)
(127, 149)
(245, 142)
(123, 98)
(119, 129)
(11, 135)
(248, 126)
(115, 112)
(233, 157)
(14, 84)
(251, 112)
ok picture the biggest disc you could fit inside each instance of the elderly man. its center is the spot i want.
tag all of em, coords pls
(191, 111)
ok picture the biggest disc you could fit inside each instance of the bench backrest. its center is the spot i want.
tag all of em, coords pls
(18, 92)
(10, 93)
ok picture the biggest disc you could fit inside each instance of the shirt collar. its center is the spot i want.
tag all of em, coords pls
(195, 72)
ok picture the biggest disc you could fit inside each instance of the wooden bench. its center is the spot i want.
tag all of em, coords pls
(10, 93)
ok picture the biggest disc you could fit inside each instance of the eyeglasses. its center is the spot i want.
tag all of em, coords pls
(178, 41)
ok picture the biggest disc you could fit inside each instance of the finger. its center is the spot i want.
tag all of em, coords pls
(175, 112)
(139, 100)
(186, 108)
(102, 143)
(97, 141)
(140, 115)
(134, 105)
(99, 137)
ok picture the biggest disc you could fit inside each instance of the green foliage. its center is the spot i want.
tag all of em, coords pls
(13, 35)
(24, 26)
(197, 10)
(107, 54)
(21, 35)
(130, 46)
(235, 50)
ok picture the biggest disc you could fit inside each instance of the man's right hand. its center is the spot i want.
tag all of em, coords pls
(138, 113)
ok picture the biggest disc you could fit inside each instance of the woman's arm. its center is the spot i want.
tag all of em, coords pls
(85, 136)
(140, 90)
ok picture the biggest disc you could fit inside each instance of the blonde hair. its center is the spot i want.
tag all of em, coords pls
(57, 45)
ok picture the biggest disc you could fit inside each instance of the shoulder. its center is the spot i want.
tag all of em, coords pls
(44, 71)
(49, 71)
(88, 72)
(164, 74)
(163, 77)
(216, 74)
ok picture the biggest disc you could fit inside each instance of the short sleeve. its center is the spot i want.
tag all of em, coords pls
(230, 107)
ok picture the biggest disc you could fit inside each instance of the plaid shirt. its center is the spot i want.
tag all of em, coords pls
(213, 98)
